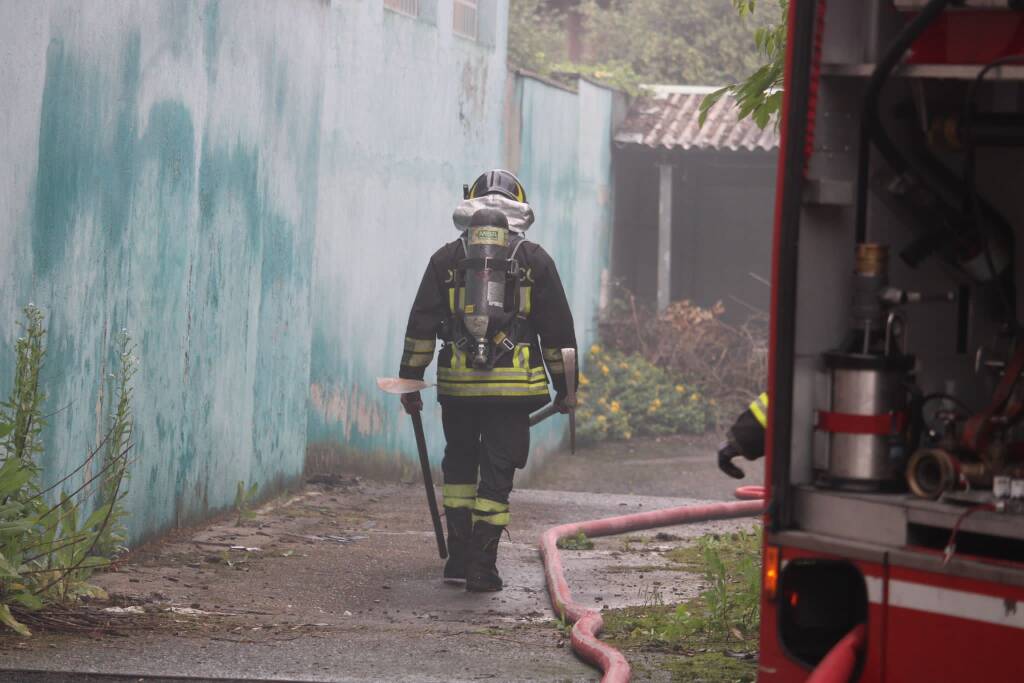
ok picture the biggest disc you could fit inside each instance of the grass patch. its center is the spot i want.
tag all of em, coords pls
(577, 542)
(724, 618)
(712, 667)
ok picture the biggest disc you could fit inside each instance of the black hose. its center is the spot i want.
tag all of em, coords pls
(974, 207)
(871, 129)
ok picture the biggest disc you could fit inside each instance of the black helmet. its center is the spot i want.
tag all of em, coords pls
(498, 182)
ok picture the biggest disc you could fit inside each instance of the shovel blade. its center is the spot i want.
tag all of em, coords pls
(397, 385)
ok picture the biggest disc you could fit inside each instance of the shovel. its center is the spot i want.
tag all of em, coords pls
(394, 385)
(569, 362)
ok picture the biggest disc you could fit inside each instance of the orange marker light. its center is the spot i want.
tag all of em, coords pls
(771, 571)
(794, 599)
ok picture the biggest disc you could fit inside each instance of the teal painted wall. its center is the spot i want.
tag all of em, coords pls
(160, 174)
(565, 161)
(252, 190)
(408, 125)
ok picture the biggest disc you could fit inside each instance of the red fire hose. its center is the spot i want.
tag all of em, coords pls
(587, 623)
(841, 660)
(837, 667)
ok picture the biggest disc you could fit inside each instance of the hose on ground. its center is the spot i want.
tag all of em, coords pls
(587, 623)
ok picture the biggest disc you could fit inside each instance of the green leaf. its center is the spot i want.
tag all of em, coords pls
(709, 101)
(6, 428)
(97, 517)
(27, 600)
(13, 476)
(8, 620)
(7, 570)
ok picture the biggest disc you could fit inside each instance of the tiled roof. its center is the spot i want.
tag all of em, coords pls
(667, 116)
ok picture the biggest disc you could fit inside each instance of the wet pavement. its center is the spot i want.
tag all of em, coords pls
(341, 581)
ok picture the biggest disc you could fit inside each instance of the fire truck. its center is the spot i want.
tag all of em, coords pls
(894, 531)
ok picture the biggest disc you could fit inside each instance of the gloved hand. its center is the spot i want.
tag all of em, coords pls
(726, 452)
(412, 402)
(561, 403)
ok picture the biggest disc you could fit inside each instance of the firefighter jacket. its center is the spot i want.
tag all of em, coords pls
(542, 327)
(747, 432)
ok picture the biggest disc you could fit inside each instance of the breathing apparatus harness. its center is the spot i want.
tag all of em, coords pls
(488, 320)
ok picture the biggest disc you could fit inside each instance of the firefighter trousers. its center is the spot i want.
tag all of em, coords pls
(487, 442)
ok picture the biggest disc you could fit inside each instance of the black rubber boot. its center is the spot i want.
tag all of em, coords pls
(460, 528)
(481, 569)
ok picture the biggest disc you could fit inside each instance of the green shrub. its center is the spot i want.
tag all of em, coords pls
(622, 396)
(47, 550)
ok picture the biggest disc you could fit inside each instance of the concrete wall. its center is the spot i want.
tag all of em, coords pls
(160, 174)
(252, 190)
(565, 163)
(558, 141)
(411, 112)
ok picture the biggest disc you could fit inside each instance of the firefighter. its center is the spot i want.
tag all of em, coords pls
(489, 381)
(745, 437)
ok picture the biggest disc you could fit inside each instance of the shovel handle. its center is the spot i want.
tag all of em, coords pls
(428, 482)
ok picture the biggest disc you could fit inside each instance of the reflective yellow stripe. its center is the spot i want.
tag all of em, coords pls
(459, 495)
(417, 360)
(459, 361)
(451, 298)
(419, 345)
(521, 357)
(463, 374)
(525, 300)
(460, 490)
(484, 390)
(486, 505)
(759, 407)
(499, 519)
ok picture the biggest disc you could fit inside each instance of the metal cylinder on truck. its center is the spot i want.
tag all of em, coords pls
(488, 305)
(865, 421)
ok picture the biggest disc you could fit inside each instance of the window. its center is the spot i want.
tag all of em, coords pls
(410, 7)
(465, 20)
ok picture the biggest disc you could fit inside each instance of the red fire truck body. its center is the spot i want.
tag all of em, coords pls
(898, 287)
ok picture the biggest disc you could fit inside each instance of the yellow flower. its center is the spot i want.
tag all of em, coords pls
(657, 403)
(604, 370)
(615, 407)
(680, 389)
(602, 400)
(627, 436)
(595, 349)
(695, 396)
(602, 419)
(623, 366)
(583, 380)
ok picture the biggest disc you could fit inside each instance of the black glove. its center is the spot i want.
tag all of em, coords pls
(726, 452)
(412, 402)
